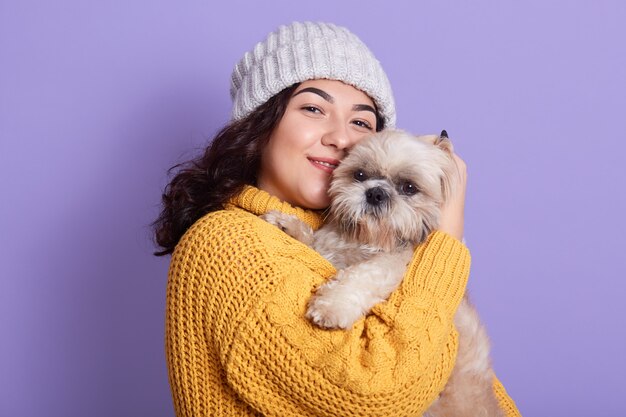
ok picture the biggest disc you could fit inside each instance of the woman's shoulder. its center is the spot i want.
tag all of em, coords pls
(236, 231)
(216, 242)
(226, 225)
(236, 235)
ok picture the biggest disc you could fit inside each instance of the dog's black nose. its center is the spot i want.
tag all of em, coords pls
(376, 196)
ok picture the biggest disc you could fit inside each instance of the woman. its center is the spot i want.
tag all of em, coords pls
(237, 341)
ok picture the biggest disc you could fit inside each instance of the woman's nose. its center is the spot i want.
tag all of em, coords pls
(338, 137)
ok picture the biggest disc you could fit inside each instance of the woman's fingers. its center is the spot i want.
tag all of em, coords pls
(452, 212)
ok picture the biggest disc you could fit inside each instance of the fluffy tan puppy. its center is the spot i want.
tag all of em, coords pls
(386, 197)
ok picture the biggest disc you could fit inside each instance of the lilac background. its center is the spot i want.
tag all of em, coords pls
(98, 99)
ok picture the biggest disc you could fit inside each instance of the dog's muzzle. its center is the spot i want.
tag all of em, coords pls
(376, 196)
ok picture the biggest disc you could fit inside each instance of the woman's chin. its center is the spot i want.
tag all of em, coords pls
(318, 200)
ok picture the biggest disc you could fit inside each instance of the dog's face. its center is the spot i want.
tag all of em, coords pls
(388, 190)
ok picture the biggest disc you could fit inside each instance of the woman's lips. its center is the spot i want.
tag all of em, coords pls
(327, 165)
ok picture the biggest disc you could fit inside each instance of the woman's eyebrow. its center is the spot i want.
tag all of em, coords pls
(330, 99)
(363, 107)
(317, 91)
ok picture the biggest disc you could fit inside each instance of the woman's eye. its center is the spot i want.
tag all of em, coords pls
(360, 175)
(312, 109)
(408, 188)
(363, 123)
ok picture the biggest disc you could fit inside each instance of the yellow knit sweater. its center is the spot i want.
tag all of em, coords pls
(238, 344)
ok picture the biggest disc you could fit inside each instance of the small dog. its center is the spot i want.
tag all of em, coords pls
(385, 199)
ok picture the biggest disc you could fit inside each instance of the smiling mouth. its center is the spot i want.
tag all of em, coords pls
(327, 166)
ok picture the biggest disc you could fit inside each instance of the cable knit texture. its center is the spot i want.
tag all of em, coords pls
(238, 344)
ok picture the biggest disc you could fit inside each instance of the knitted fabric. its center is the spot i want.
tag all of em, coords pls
(238, 343)
(305, 51)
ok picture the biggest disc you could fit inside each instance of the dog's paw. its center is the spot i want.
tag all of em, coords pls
(289, 224)
(329, 310)
(326, 316)
(276, 218)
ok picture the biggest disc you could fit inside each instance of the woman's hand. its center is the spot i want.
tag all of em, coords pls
(452, 212)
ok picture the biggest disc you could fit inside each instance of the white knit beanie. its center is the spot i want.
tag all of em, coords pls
(305, 51)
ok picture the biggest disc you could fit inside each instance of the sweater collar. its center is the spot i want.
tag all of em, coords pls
(259, 202)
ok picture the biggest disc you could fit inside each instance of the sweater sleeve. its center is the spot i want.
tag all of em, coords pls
(249, 286)
(506, 402)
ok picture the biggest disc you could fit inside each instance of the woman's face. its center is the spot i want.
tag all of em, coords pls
(323, 119)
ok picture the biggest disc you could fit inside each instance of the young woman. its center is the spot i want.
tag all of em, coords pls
(237, 341)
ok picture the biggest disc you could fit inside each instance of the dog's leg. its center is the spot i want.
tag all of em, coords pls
(469, 391)
(353, 292)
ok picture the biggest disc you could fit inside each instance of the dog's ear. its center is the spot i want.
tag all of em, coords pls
(448, 183)
(443, 142)
(449, 177)
(448, 166)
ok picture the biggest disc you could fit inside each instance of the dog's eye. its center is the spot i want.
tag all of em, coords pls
(360, 175)
(408, 188)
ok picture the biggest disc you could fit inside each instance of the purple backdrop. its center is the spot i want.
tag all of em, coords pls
(97, 100)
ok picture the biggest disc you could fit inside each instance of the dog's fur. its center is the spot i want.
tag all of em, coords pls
(385, 199)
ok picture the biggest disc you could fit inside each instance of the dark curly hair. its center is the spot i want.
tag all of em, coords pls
(231, 161)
